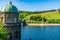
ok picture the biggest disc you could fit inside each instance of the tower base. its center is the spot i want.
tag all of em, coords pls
(14, 31)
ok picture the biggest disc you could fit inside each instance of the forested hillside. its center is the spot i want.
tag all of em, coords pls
(50, 16)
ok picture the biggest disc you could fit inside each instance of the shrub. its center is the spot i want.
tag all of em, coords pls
(3, 32)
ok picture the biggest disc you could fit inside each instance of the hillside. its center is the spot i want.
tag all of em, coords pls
(44, 17)
(47, 15)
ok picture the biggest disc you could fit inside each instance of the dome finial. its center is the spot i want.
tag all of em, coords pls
(10, 2)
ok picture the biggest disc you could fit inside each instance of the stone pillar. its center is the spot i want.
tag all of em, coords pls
(14, 33)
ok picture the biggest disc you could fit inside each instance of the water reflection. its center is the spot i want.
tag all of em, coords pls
(40, 33)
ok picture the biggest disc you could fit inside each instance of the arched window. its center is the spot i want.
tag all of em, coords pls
(8, 20)
(1, 19)
(15, 20)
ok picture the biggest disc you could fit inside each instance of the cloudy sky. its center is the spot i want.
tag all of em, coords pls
(33, 5)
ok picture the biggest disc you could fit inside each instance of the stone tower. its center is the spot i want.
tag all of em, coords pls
(9, 17)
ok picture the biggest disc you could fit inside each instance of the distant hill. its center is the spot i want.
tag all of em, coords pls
(37, 11)
(48, 16)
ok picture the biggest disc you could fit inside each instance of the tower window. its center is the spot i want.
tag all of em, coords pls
(1, 19)
(15, 20)
(8, 20)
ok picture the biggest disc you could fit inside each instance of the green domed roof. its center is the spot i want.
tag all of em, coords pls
(9, 8)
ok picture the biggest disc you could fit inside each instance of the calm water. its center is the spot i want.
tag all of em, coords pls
(40, 33)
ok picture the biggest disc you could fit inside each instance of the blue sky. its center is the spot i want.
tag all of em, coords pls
(33, 5)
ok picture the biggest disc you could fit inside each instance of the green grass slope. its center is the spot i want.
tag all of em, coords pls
(52, 17)
(47, 15)
(40, 17)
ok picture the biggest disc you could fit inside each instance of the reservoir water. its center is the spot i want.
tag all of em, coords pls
(40, 33)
